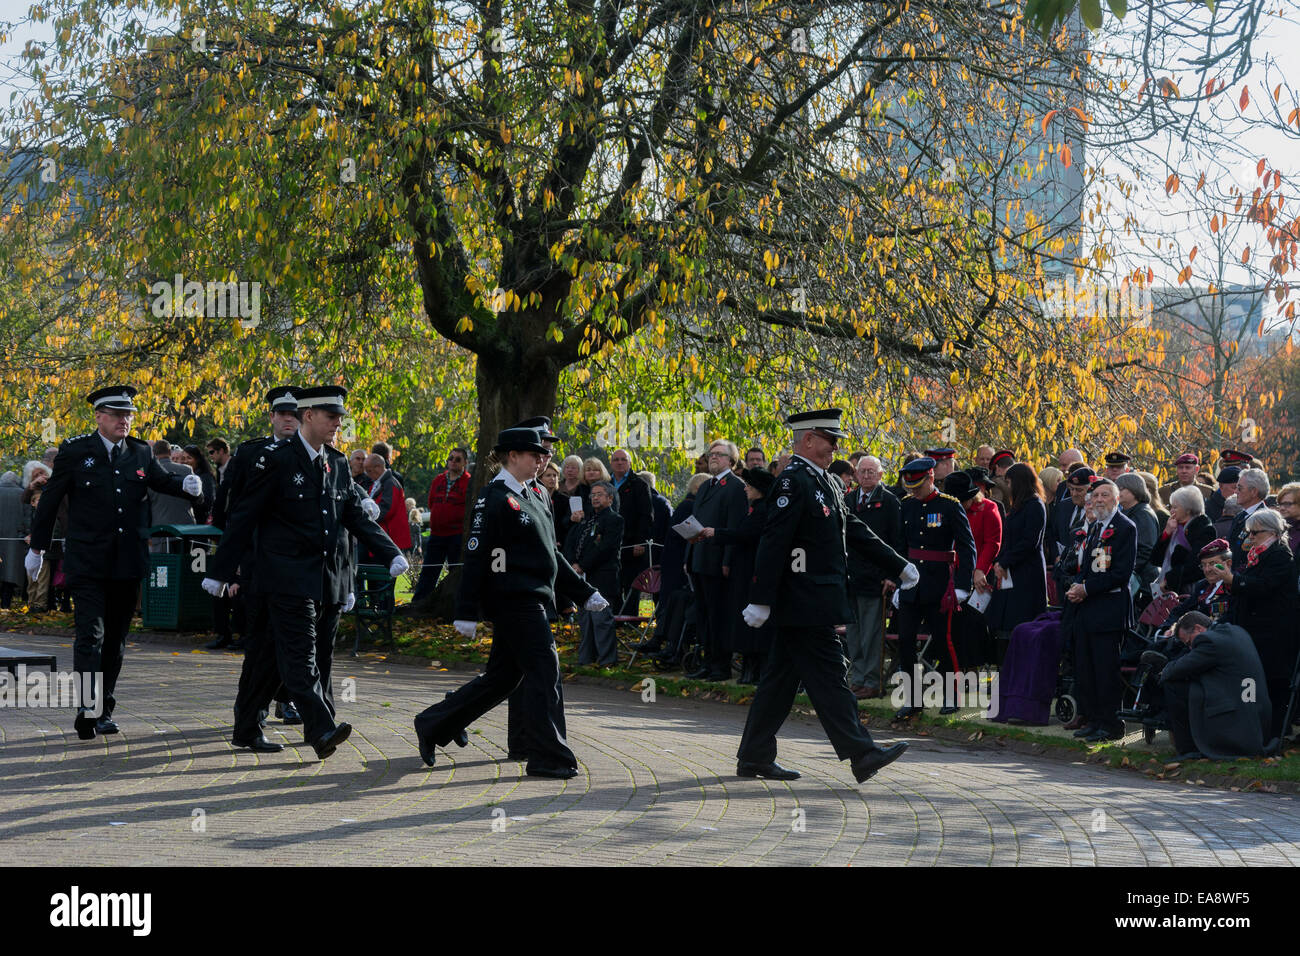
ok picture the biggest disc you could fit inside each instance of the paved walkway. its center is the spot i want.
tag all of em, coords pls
(657, 786)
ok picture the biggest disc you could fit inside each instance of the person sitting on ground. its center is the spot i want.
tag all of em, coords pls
(1216, 695)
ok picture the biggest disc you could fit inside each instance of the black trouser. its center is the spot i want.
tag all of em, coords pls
(102, 609)
(230, 615)
(523, 655)
(910, 618)
(303, 632)
(259, 679)
(1098, 687)
(715, 620)
(632, 565)
(1177, 710)
(814, 656)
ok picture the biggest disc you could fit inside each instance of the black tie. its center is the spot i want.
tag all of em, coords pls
(1076, 519)
(116, 453)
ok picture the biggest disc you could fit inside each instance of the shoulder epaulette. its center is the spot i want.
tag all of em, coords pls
(69, 441)
(137, 441)
(949, 497)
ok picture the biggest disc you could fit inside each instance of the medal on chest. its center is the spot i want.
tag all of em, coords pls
(933, 520)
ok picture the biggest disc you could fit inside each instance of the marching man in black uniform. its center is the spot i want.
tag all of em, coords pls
(801, 582)
(939, 540)
(511, 574)
(296, 509)
(105, 475)
(252, 700)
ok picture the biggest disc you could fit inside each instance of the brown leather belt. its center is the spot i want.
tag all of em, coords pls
(921, 554)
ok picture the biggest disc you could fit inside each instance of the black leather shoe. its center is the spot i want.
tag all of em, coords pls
(326, 744)
(555, 773)
(85, 726)
(649, 646)
(906, 713)
(260, 745)
(945, 711)
(105, 725)
(1101, 735)
(237, 645)
(288, 713)
(1087, 730)
(223, 640)
(869, 764)
(768, 771)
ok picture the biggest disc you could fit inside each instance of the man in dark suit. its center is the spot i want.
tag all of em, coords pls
(800, 582)
(164, 508)
(1252, 490)
(872, 502)
(1215, 694)
(637, 511)
(295, 510)
(1098, 610)
(1067, 518)
(105, 475)
(259, 650)
(720, 503)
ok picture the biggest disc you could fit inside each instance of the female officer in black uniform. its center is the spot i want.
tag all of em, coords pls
(511, 573)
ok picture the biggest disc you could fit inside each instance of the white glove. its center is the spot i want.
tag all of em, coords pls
(370, 508)
(756, 615)
(191, 485)
(213, 586)
(909, 576)
(961, 595)
(893, 598)
(466, 628)
(398, 566)
(348, 604)
(33, 563)
(596, 602)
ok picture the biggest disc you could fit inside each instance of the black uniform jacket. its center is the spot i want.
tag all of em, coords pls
(108, 506)
(296, 516)
(938, 523)
(801, 570)
(510, 554)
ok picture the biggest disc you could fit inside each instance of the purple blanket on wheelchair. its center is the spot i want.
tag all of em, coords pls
(1027, 680)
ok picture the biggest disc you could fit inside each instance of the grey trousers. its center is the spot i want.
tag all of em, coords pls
(863, 636)
(599, 644)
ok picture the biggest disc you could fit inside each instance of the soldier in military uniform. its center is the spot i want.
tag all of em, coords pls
(299, 502)
(105, 476)
(945, 462)
(512, 570)
(1185, 467)
(939, 541)
(1117, 463)
(801, 583)
(259, 667)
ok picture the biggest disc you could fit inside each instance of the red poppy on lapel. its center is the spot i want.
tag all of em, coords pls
(1107, 533)
(140, 472)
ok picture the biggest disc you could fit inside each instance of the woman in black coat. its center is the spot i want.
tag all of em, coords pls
(1264, 603)
(1185, 534)
(1021, 558)
(753, 643)
(198, 461)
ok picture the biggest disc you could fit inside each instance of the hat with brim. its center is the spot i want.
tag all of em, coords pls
(961, 486)
(519, 439)
(941, 454)
(323, 398)
(1230, 456)
(760, 479)
(916, 471)
(542, 424)
(1117, 458)
(283, 398)
(980, 475)
(113, 398)
(824, 420)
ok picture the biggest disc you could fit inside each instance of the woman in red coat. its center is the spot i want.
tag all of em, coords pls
(986, 528)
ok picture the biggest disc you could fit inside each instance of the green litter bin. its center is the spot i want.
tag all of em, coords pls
(174, 599)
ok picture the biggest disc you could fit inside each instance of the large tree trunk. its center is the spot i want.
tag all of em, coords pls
(508, 392)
